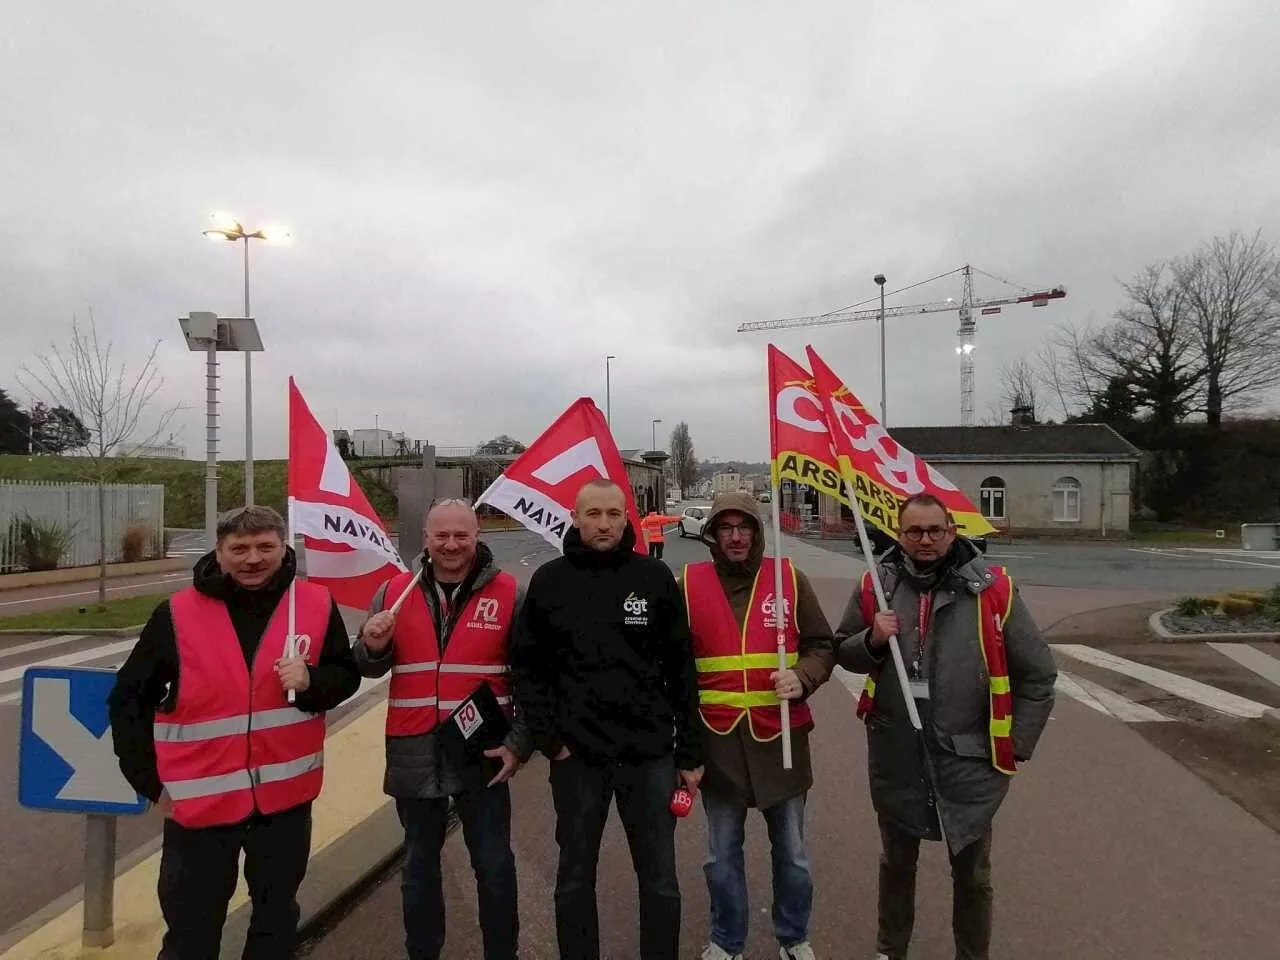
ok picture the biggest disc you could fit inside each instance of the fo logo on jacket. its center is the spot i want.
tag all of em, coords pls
(486, 615)
(769, 607)
(637, 611)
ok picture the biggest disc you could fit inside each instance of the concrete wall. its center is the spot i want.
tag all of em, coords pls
(1029, 500)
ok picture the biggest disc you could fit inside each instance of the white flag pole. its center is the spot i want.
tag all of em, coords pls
(780, 618)
(290, 640)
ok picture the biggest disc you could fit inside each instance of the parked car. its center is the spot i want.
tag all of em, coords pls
(670, 502)
(765, 497)
(692, 520)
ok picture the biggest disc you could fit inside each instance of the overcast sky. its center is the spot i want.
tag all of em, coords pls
(487, 198)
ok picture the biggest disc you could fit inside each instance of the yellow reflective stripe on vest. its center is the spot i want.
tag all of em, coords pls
(870, 686)
(1002, 728)
(1000, 685)
(743, 700)
(747, 661)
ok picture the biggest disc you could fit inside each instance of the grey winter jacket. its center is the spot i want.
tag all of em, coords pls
(418, 767)
(955, 717)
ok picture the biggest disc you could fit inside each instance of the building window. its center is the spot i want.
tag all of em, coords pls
(991, 498)
(1066, 500)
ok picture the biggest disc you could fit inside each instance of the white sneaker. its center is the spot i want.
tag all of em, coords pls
(801, 951)
(713, 952)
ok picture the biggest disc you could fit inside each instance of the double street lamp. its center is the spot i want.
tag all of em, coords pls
(228, 228)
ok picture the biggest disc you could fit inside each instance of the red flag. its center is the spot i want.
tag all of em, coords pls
(799, 442)
(881, 471)
(540, 485)
(347, 547)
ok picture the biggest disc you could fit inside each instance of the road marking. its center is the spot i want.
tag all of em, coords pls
(44, 644)
(93, 593)
(71, 659)
(1106, 701)
(1015, 556)
(1179, 686)
(1216, 559)
(1251, 658)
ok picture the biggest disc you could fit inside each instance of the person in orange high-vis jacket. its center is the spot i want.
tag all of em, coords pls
(982, 679)
(203, 727)
(651, 526)
(450, 636)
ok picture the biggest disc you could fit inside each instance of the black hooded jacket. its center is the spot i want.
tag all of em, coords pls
(148, 681)
(601, 659)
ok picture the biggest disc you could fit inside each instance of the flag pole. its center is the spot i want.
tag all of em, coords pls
(780, 616)
(290, 645)
(895, 651)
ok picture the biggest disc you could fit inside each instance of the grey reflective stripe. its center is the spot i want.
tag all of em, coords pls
(208, 786)
(414, 667)
(279, 717)
(205, 730)
(473, 668)
(411, 702)
(455, 704)
(275, 772)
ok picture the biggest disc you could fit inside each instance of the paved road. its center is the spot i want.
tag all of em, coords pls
(1107, 848)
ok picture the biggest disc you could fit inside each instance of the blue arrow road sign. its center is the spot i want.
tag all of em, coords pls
(65, 759)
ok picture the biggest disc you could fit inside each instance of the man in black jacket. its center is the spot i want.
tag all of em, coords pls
(604, 671)
(248, 575)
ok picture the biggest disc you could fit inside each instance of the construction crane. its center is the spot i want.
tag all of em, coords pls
(965, 334)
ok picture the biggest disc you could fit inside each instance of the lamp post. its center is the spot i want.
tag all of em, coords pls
(884, 414)
(653, 433)
(608, 393)
(228, 228)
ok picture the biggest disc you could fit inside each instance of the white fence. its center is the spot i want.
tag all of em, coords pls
(73, 508)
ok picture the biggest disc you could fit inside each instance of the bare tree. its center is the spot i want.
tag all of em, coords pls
(108, 398)
(1066, 363)
(683, 462)
(1232, 291)
(1018, 384)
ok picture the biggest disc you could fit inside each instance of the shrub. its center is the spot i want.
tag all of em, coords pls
(135, 543)
(40, 543)
(1271, 604)
(1236, 608)
(1194, 606)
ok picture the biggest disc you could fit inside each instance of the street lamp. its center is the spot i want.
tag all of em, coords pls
(653, 433)
(884, 403)
(608, 395)
(228, 228)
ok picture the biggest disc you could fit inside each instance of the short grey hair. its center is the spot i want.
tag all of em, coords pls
(251, 519)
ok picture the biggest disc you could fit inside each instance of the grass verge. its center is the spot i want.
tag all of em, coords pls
(124, 612)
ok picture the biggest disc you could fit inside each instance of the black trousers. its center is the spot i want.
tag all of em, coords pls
(582, 793)
(485, 815)
(971, 895)
(198, 873)
(655, 549)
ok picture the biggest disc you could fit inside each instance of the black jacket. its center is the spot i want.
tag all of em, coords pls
(602, 660)
(148, 681)
(419, 767)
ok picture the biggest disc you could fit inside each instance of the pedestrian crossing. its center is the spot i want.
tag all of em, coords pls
(1098, 696)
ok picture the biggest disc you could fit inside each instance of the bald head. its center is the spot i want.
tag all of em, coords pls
(450, 531)
(600, 514)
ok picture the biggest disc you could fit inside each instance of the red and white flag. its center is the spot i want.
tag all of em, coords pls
(347, 547)
(540, 486)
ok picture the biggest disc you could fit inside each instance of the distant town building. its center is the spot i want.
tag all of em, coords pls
(168, 449)
(726, 483)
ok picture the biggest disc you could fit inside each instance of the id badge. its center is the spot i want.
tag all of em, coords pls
(919, 689)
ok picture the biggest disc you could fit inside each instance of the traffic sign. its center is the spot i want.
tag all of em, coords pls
(65, 759)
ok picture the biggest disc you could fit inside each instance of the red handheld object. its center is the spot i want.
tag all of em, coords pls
(681, 802)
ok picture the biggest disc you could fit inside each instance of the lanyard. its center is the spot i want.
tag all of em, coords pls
(922, 630)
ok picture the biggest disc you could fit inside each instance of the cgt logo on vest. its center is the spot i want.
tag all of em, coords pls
(636, 610)
(486, 615)
(769, 608)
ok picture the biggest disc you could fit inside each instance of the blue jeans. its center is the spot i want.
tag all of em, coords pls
(726, 872)
(486, 828)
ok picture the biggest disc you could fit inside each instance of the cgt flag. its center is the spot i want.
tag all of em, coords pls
(538, 487)
(881, 471)
(799, 442)
(347, 549)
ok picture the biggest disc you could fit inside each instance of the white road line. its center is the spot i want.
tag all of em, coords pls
(44, 644)
(71, 659)
(1106, 701)
(1015, 556)
(94, 593)
(1179, 686)
(1251, 658)
(1246, 563)
(1216, 559)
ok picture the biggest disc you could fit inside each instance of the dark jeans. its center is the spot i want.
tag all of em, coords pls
(971, 895)
(582, 793)
(485, 815)
(198, 872)
(655, 550)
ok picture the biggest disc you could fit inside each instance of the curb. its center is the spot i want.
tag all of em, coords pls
(115, 571)
(132, 631)
(1163, 633)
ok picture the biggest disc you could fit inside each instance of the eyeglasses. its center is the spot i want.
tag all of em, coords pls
(732, 528)
(451, 502)
(916, 534)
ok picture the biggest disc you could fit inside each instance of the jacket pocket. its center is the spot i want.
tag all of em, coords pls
(970, 745)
